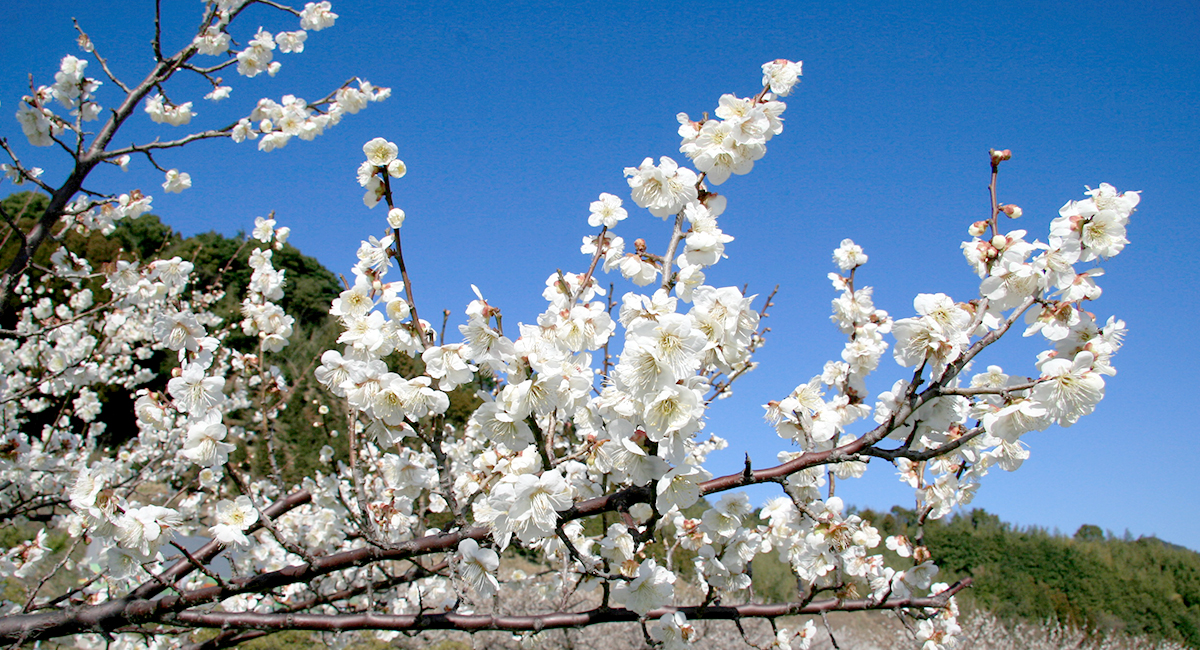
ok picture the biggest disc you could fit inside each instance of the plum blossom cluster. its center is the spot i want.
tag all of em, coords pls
(279, 122)
(275, 122)
(72, 90)
(548, 435)
(718, 147)
(952, 432)
(186, 426)
(64, 350)
(584, 439)
(76, 335)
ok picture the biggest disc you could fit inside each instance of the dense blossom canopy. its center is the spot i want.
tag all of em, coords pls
(587, 448)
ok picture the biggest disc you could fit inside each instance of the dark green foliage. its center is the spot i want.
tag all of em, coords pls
(1089, 533)
(1091, 580)
(773, 579)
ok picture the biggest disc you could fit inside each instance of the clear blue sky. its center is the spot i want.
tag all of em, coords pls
(512, 117)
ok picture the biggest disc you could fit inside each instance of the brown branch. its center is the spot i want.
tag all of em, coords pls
(480, 622)
(1003, 391)
(102, 60)
(601, 246)
(669, 258)
(210, 550)
(41, 583)
(917, 456)
(266, 520)
(151, 146)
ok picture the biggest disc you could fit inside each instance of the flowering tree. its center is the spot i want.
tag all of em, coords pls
(587, 451)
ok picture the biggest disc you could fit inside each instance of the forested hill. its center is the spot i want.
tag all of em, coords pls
(1092, 579)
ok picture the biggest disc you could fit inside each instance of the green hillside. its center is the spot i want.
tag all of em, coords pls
(1093, 580)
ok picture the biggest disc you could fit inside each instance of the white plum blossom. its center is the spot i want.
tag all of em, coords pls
(606, 211)
(663, 189)
(256, 58)
(651, 588)
(264, 229)
(380, 152)
(781, 75)
(317, 16)
(180, 330)
(291, 41)
(1071, 388)
(395, 217)
(143, 530)
(164, 113)
(536, 501)
(177, 181)
(218, 93)
(194, 391)
(233, 519)
(205, 444)
(212, 42)
(37, 125)
(673, 631)
(1097, 224)
(478, 566)
(849, 255)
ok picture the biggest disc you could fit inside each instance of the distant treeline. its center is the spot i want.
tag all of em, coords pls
(1093, 579)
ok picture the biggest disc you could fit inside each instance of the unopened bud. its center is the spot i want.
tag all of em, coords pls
(999, 241)
(639, 245)
(921, 554)
(999, 155)
(397, 169)
(978, 228)
(639, 436)
(1013, 211)
(395, 217)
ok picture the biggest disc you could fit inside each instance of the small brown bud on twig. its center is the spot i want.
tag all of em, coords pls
(921, 554)
(1013, 211)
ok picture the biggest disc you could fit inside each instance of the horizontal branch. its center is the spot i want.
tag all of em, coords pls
(891, 455)
(151, 146)
(539, 622)
(206, 553)
(990, 390)
(119, 612)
